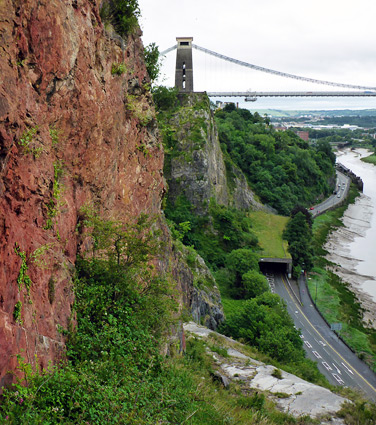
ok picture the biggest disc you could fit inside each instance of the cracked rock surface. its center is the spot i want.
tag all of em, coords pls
(291, 394)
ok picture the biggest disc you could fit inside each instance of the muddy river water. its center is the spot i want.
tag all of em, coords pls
(353, 247)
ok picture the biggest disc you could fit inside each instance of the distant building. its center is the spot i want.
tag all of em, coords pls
(303, 135)
(280, 127)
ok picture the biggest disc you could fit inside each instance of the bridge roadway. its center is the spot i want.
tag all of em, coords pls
(334, 359)
(293, 94)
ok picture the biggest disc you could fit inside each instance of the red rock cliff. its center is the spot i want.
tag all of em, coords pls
(71, 133)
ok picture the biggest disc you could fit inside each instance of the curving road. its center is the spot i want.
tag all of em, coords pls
(341, 191)
(334, 359)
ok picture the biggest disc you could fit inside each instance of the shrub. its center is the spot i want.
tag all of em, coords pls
(118, 69)
(254, 284)
(165, 98)
(263, 322)
(122, 14)
(277, 373)
(151, 54)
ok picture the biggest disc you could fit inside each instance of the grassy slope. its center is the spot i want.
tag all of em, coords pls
(269, 228)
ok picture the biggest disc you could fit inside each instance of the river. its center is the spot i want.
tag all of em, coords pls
(352, 247)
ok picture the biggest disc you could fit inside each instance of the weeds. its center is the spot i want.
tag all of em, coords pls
(23, 278)
(27, 142)
(118, 69)
(17, 312)
(121, 14)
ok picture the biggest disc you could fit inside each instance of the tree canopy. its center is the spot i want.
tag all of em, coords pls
(283, 169)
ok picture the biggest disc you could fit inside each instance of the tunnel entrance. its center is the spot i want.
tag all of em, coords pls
(276, 265)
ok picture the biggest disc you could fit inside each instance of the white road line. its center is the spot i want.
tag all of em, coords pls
(336, 368)
(326, 365)
(349, 370)
(338, 379)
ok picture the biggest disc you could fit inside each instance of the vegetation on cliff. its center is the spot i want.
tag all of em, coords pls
(115, 372)
(281, 167)
(224, 237)
(121, 14)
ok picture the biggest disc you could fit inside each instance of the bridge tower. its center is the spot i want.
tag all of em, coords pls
(184, 65)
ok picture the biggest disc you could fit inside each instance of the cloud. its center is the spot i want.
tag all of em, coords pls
(327, 39)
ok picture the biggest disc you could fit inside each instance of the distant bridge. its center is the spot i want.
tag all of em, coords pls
(184, 76)
(250, 96)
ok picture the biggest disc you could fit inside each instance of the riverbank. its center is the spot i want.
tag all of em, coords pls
(356, 222)
(371, 159)
(334, 284)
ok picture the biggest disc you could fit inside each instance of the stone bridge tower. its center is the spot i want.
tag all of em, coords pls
(184, 65)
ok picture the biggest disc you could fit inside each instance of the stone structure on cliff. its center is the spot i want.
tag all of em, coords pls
(184, 65)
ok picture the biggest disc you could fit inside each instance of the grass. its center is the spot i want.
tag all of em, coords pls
(370, 159)
(325, 296)
(269, 228)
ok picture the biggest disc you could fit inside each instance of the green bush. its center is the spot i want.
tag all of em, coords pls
(254, 284)
(277, 373)
(118, 69)
(151, 54)
(263, 322)
(165, 98)
(122, 14)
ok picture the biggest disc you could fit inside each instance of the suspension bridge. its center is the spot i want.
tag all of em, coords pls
(184, 77)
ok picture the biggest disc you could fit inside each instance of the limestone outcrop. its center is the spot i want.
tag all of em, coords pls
(199, 294)
(198, 169)
(291, 394)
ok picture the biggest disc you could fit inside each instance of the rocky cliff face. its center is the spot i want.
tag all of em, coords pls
(198, 168)
(200, 295)
(75, 130)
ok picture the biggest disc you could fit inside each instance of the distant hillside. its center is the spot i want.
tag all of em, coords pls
(334, 113)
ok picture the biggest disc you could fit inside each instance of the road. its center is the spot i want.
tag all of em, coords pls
(334, 359)
(341, 190)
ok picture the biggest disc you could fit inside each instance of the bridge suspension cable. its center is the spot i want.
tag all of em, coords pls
(271, 71)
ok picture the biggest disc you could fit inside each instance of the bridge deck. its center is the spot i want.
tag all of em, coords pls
(294, 94)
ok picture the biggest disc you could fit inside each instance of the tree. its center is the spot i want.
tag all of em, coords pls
(254, 284)
(152, 62)
(165, 98)
(239, 262)
(265, 323)
(299, 236)
(308, 216)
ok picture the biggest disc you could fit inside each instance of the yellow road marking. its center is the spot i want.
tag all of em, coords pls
(324, 340)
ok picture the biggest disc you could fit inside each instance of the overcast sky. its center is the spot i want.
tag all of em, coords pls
(332, 40)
